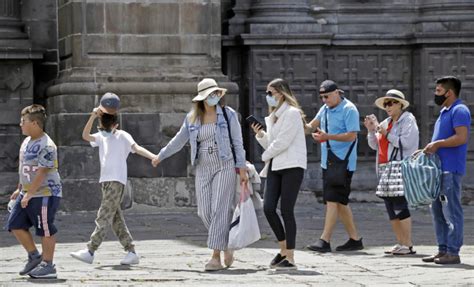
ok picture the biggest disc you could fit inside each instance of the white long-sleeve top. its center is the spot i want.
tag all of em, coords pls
(284, 140)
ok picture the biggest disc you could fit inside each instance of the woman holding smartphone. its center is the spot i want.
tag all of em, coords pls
(285, 161)
(399, 128)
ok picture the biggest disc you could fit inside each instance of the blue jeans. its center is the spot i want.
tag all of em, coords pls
(449, 239)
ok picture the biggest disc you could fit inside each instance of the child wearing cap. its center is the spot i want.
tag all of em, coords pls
(114, 148)
(38, 194)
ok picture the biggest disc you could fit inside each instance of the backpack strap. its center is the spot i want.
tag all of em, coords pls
(230, 135)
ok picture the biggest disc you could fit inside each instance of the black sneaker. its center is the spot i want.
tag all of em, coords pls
(278, 258)
(285, 265)
(320, 246)
(351, 245)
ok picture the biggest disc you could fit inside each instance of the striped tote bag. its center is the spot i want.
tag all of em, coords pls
(422, 178)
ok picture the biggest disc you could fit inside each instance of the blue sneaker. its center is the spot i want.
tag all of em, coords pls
(44, 271)
(31, 264)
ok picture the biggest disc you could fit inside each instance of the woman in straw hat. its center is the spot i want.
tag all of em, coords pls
(206, 129)
(285, 161)
(399, 128)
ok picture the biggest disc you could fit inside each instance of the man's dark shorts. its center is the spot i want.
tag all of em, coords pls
(339, 193)
(39, 213)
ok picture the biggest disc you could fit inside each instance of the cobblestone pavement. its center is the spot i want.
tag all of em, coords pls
(171, 245)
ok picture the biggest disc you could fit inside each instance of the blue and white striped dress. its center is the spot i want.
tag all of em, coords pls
(215, 188)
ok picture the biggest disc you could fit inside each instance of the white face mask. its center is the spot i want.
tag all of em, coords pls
(271, 101)
(212, 99)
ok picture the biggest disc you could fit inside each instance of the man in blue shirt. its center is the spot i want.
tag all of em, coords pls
(449, 141)
(336, 123)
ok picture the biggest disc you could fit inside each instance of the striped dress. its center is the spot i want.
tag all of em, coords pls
(215, 188)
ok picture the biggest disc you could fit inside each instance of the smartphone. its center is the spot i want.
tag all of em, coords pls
(252, 120)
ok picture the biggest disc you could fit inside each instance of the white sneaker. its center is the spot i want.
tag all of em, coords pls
(83, 255)
(130, 258)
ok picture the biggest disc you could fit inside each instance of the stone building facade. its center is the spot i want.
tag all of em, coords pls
(67, 53)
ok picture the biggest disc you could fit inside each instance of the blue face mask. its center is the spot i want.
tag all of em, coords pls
(271, 101)
(212, 99)
(105, 134)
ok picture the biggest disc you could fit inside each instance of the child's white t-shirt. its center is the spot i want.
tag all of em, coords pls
(113, 153)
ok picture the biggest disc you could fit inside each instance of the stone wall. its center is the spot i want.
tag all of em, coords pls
(152, 54)
(367, 47)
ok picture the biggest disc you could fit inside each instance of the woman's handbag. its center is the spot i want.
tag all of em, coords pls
(390, 176)
(336, 169)
(244, 229)
(422, 178)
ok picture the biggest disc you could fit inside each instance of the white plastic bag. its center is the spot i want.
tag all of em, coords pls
(244, 229)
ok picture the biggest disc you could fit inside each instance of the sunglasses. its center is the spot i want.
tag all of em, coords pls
(389, 103)
(269, 93)
(324, 97)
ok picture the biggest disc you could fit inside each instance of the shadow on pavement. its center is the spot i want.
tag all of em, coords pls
(46, 281)
(345, 253)
(294, 272)
(114, 267)
(237, 271)
(456, 266)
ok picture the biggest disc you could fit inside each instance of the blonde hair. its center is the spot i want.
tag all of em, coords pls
(282, 87)
(197, 111)
(35, 113)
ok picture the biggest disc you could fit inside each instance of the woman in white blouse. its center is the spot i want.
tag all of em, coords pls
(285, 161)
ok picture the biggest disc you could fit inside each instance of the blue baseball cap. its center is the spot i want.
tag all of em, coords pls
(109, 103)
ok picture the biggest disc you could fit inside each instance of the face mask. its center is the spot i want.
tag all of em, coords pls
(271, 101)
(439, 100)
(212, 99)
(105, 134)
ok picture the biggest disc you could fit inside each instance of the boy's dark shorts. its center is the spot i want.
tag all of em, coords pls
(340, 193)
(39, 213)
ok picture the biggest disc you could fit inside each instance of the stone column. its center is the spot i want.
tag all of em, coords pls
(152, 54)
(274, 38)
(16, 91)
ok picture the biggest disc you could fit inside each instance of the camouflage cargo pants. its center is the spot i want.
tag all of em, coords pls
(110, 214)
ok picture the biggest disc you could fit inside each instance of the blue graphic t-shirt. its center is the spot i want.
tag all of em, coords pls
(41, 152)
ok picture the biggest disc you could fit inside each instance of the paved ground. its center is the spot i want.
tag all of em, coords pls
(171, 245)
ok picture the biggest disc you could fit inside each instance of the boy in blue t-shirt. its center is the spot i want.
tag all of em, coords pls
(38, 194)
(450, 136)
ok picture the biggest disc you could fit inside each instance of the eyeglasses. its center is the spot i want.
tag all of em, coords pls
(214, 94)
(389, 103)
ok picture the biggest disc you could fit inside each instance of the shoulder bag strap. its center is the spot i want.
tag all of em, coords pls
(328, 146)
(230, 135)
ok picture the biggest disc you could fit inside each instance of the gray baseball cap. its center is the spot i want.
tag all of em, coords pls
(109, 103)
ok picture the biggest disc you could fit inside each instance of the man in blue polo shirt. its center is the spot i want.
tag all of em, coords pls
(336, 123)
(450, 136)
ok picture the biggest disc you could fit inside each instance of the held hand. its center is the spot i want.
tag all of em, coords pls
(96, 112)
(369, 124)
(381, 130)
(155, 161)
(25, 200)
(15, 194)
(257, 129)
(244, 178)
(320, 136)
(431, 148)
